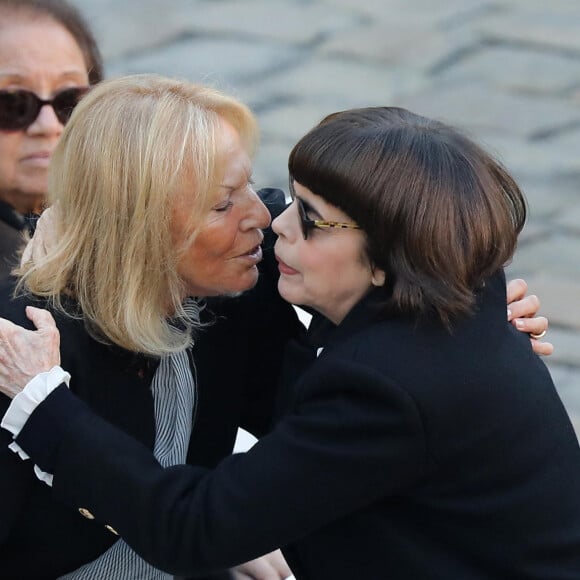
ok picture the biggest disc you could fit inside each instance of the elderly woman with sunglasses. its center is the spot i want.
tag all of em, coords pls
(418, 436)
(48, 59)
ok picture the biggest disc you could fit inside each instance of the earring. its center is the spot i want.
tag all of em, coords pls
(379, 277)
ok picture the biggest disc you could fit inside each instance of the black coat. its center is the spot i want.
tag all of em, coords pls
(237, 360)
(12, 228)
(405, 452)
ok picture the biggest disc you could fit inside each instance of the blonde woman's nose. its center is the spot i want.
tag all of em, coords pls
(257, 215)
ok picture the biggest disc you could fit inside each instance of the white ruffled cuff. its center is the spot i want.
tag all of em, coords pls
(24, 404)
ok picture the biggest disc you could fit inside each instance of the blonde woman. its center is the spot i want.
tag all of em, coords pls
(153, 204)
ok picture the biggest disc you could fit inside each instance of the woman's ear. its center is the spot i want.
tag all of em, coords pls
(378, 278)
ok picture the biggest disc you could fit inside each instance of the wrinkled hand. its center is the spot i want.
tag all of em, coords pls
(272, 566)
(43, 240)
(25, 353)
(522, 311)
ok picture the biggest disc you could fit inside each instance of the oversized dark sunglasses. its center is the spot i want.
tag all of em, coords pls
(308, 224)
(19, 109)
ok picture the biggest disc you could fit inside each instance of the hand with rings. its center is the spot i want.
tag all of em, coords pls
(522, 313)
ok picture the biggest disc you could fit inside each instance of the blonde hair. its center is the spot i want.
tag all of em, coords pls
(128, 148)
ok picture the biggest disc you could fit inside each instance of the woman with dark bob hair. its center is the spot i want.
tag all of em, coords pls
(418, 434)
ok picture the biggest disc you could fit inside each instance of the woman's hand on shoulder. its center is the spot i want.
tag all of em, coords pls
(522, 313)
(26, 353)
(44, 238)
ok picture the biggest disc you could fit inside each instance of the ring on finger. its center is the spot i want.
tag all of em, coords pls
(538, 336)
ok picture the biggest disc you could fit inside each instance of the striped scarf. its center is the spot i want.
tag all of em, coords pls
(173, 390)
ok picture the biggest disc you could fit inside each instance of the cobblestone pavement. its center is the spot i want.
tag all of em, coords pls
(508, 71)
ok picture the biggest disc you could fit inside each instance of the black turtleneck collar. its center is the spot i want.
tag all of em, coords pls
(16, 220)
(322, 332)
(371, 307)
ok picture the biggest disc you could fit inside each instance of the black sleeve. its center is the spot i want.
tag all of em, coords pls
(16, 476)
(16, 480)
(353, 438)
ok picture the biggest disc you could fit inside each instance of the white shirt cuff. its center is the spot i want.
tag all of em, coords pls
(24, 404)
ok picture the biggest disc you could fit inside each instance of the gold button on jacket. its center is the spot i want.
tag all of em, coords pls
(86, 513)
(112, 530)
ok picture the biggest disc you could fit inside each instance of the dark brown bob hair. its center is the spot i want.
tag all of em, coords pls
(439, 213)
(69, 18)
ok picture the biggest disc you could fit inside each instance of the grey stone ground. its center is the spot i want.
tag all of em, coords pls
(508, 71)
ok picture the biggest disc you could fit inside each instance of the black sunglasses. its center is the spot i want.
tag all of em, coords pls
(308, 224)
(19, 109)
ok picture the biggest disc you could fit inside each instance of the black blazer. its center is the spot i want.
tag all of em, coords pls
(406, 452)
(237, 359)
(12, 227)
